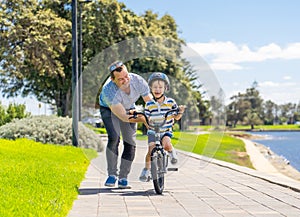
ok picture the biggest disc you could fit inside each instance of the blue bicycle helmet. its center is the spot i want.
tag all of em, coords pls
(159, 76)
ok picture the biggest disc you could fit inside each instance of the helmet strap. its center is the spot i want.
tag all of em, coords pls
(159, 97)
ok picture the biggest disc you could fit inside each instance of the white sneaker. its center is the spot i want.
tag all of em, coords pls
(173, 155)
(145, 175)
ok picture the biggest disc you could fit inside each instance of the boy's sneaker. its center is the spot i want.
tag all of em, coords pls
(145, 175)
(123, 183)
(110, 181)
(173, 156)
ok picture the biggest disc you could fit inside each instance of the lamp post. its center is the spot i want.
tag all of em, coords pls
(74, 75)
(80, 56)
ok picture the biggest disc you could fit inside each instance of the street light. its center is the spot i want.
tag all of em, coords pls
(74, 75)
(80, 56)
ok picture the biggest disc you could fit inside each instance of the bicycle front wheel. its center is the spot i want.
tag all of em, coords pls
(157, 172)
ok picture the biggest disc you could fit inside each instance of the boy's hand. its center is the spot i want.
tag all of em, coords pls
(131, 112)
(181, 109)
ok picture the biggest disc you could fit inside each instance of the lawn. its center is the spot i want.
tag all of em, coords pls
(214, 145)
(38, 179)
(268, 127)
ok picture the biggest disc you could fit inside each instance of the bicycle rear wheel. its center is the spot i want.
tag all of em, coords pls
(157, 172)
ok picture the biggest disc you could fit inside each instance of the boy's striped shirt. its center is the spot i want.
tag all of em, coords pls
(153, 109)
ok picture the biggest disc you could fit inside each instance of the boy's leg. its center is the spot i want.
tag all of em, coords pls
(148, 155)
(166, 141)
(145, 174)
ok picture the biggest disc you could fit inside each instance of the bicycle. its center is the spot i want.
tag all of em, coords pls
(159, 157)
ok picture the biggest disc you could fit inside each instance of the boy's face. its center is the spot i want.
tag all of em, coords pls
(157, 88)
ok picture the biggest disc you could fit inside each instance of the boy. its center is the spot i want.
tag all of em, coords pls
(159, 83)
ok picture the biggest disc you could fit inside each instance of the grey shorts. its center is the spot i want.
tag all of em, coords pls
(151, 135)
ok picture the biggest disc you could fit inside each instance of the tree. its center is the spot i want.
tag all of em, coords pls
(297, 113)
(33, 40)
(2, 115)
(246, 108)
(13, 111)
(237, 109)
(269, 112)
(255, 113)
(35, 46)
(287, 113)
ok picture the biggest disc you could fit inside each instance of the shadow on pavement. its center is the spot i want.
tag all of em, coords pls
(121, 192)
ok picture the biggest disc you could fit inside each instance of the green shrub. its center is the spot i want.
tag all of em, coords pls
(13, 111)
(51, 130)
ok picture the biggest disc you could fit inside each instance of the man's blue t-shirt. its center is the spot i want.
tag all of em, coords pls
(112, 95)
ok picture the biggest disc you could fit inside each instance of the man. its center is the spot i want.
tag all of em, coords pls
(118, 96)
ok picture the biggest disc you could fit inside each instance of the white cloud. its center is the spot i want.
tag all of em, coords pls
(287, 78)
(269, 84)
(228, 55)
(277, 84)
(227, 66)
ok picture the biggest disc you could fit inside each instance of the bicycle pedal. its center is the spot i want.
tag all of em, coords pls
(172, 169)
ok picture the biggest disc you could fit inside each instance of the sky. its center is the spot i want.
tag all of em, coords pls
(242, 42)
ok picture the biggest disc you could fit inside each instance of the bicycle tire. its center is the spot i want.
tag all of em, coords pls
(158, 175)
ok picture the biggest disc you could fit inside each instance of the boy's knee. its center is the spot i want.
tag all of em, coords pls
(168, 146)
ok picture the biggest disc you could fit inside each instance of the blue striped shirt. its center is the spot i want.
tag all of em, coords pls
(154, 109)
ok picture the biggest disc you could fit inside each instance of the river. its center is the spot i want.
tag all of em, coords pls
(283, 143)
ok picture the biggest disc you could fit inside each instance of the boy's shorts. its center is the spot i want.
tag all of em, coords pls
(151, 135)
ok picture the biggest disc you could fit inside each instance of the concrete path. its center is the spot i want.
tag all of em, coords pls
(259, 162)
(201, 187)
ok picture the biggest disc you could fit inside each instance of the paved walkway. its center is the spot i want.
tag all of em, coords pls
(201, 187)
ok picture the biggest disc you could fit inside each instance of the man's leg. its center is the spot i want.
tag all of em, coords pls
(112, 126)
(129, 134)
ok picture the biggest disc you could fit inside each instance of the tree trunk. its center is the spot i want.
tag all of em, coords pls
(63, 106)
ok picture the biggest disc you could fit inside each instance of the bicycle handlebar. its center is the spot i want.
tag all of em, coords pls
(147, 120)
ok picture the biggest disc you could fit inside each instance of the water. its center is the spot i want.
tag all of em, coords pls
(286, 144)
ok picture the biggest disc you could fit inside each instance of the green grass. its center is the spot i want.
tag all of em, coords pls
(38, 179)
(268, 127)
(215, 145)
(100, 130)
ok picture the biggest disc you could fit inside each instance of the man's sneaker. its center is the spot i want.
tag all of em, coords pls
(123, 183)
(145, 175)
(173, 156)
(110, 181)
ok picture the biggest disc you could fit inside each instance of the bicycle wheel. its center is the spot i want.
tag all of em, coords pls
(157, 172)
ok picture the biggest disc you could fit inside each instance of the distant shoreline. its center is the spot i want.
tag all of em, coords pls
(279, 163)
(263, 130)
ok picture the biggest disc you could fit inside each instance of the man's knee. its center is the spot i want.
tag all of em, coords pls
(129, 151)
(113, 144)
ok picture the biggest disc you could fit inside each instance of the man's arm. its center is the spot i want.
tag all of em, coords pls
(120, 112)
(147, 98)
